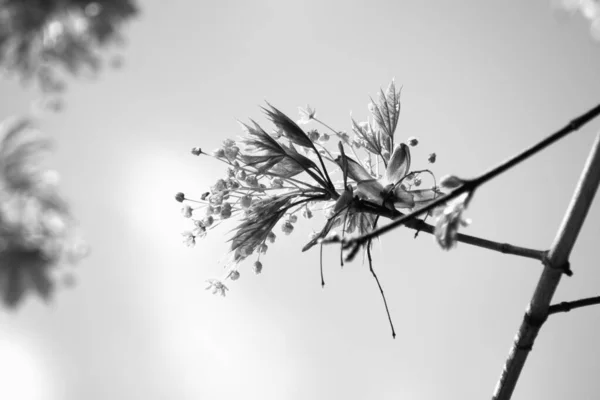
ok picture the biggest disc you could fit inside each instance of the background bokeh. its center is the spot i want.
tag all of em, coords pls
(481, 80)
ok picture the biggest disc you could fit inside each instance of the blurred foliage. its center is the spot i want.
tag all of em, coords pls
(37, 232)
(41, 38)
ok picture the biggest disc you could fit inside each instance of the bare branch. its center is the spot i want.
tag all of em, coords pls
(554, 266)
(567, 306)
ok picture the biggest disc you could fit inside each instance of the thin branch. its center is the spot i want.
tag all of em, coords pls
(387, 310)
(567, 306)
(421, 226)
(554, 266)
(470, 185)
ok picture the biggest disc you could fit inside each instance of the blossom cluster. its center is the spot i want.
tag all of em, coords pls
(37, 231)
(41, 39)
(273, 178)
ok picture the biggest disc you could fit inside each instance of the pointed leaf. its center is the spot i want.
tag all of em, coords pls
(290, 129)
(387, 111)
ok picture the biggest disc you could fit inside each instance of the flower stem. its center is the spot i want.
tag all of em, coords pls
(472, 184)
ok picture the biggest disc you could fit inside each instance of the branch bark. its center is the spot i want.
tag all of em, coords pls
(567, 306)
(555, 265)
(422, 226)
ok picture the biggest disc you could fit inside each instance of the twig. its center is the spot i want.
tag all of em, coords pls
(554, 267)
(387, 310)
(567, 306)
(470, 185)
(420, 225)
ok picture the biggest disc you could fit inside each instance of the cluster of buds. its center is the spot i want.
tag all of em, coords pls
(273, 178)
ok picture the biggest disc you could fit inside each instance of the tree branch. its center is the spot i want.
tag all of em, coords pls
(470, 185)
(567, 306)
(554, 266)
(421, 226)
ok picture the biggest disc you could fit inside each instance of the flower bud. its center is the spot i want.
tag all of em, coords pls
(228, 142)
(257, 267)
(208, 220)
(231, 152)
(432, 157)
(196, 151)
(186, 211)
(417, 181)
(262, 249)
(413, 141)
(313, 135)
(241, 175)
(324, 137)
(246, 201)
(179, 197)
(287, 227)
(293, 218)
(204, 195)
(451, 182)
(234, 275)
(219, 153)
(306, 213)
(271, 237)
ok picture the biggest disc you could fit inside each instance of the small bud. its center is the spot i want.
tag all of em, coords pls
(246, 201)
(413, 141)
(234, 275)
(179, 197)
(219, 153)
(252, 181)
(293, 219)
(262, 249)
(241, 175)
(313, 135)
(188, 238)
(208, 220)
(186, 211)
(196, 151)
(271, 237)
(306, 213)
(231, 153)
(432, 157)
(257, 267)
(324, 137)
(287, 227)
(451, 182)
(417, 181)
(225, 213)
(277, 183)
(228, 142)
(204, 195)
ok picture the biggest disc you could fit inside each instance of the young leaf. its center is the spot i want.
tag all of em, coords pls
(290, 129)
(386, 113)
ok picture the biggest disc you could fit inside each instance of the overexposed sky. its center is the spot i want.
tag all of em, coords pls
(481, 80)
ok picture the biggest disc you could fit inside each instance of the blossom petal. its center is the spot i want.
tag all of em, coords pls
(403, 198)
(425, 195)
(399, 164)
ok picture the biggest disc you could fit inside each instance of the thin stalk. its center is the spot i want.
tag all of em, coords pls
(567, 306)
(470, 185)
(555, 265)
(421, 226)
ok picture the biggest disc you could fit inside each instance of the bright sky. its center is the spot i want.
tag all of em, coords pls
(481, 80)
